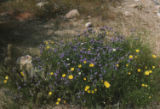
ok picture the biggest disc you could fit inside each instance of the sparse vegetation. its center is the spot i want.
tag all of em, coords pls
(53, 8)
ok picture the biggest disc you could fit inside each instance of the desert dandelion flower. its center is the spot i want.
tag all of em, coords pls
(130, 56)
(72, 69)
(91, 65)
(50, 93)
(137, 50)
(70, 76)
(107, 84)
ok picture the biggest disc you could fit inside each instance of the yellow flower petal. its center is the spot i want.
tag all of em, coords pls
(70, 76)
(107, 84)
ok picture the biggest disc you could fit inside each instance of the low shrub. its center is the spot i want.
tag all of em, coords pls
(93, 69)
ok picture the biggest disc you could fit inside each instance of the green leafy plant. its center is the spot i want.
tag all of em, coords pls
(93, 69)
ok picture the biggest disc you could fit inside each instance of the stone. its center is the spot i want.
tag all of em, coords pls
(41, 4)
(127, 14)
(72, 14)
(158, 14)
(88, 24)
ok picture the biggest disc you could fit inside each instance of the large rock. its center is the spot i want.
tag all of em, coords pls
(72, 14)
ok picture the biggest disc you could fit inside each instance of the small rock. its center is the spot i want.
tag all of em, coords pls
(41, 4)
(127, 14)
(158, 14)
(88, 24)
(72, 14)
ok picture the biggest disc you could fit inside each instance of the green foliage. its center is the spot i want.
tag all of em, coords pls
(93, 69)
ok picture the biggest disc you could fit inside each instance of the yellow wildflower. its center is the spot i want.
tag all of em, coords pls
(117, 65)
(107, 84)
(92, 91)
(63, 75)
(153, 67)
(137, 50)
(126, 65)
(87, 88)
(154, 56)
(129, 73)
(144, 85)
(72, 69)
(84, 62)
(5, 81)
(57, 103)
(91, 65)
(6, 77)
(50, 93)
(22, 74)
(150, 71)
(47, 47)
(89, 91)
(146, 73)
(70, 76)
(84, 78)
(79, 66)
(130, 56)
(58, 99)
(95, 90)
(139, 70)
(51, 73)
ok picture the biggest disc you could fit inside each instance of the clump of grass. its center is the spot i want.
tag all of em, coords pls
(94, 69)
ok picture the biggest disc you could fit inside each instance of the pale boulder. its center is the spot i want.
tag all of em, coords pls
(72, 14)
